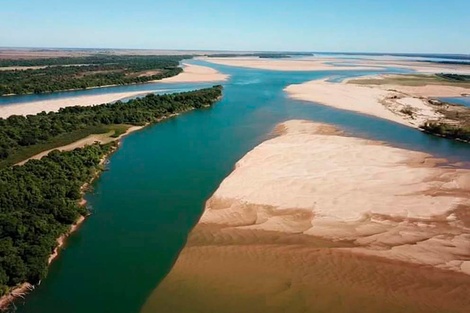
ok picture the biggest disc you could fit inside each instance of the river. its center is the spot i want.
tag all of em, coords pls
(156, 184)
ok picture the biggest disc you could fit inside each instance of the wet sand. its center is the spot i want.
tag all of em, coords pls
(299, 224)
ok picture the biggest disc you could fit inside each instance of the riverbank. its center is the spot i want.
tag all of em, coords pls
(408, 105)
(297, 226)
(22, 290)
(202, 103)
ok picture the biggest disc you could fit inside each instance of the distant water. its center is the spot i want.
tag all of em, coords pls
(158, 181)
(458, 100)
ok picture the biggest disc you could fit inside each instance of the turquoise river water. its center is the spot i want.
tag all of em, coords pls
(156, 184)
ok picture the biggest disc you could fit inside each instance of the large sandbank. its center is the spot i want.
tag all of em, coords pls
(334, 63)
(407, 105)
(307, 64)
(196, 74)
(316, 221)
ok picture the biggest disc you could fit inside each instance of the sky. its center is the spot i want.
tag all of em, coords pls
(408, 26)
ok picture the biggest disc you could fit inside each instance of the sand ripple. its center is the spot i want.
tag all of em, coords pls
(314, 221)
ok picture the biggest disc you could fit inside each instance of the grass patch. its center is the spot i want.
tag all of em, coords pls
(63, 140)
(415, 80)
(408, 111)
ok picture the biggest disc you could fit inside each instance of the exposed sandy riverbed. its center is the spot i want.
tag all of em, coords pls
(332, 64)
(307, 64)
(389, 102)
(299, 223)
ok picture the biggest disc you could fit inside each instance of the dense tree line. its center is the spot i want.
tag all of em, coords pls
(39, 200)
(461, 132)
(85, 72)
(454, 77)
(97, 59)
(20, 131)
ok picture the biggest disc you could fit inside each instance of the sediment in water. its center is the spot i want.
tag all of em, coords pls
(314, 221)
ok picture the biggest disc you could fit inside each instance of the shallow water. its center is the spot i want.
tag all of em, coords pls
(157, 183)
(458, 100)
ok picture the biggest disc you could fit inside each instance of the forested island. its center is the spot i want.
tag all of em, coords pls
(22, 137)
(41, 199)
(66, 73)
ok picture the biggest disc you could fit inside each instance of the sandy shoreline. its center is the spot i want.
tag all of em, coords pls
(22, 290)
(298, 225)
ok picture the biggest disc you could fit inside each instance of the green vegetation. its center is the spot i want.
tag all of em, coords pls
(85, 72)
(40, 199)
(26, 152)
(22, 137)
(38, 202)
(454, 125)
(408, 111)
(454, 77)
(417, 80)
(449, 131)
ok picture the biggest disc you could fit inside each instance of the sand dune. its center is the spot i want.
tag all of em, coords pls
(315, 221)
(381, 101)
(195, 73)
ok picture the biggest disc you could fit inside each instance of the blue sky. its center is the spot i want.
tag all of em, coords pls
(297, 25)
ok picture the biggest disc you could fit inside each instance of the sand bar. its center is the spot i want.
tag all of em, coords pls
(196, 74)
(313, 216)
(307, 64)
(389, 102)
(332, 64)
(313, 181)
